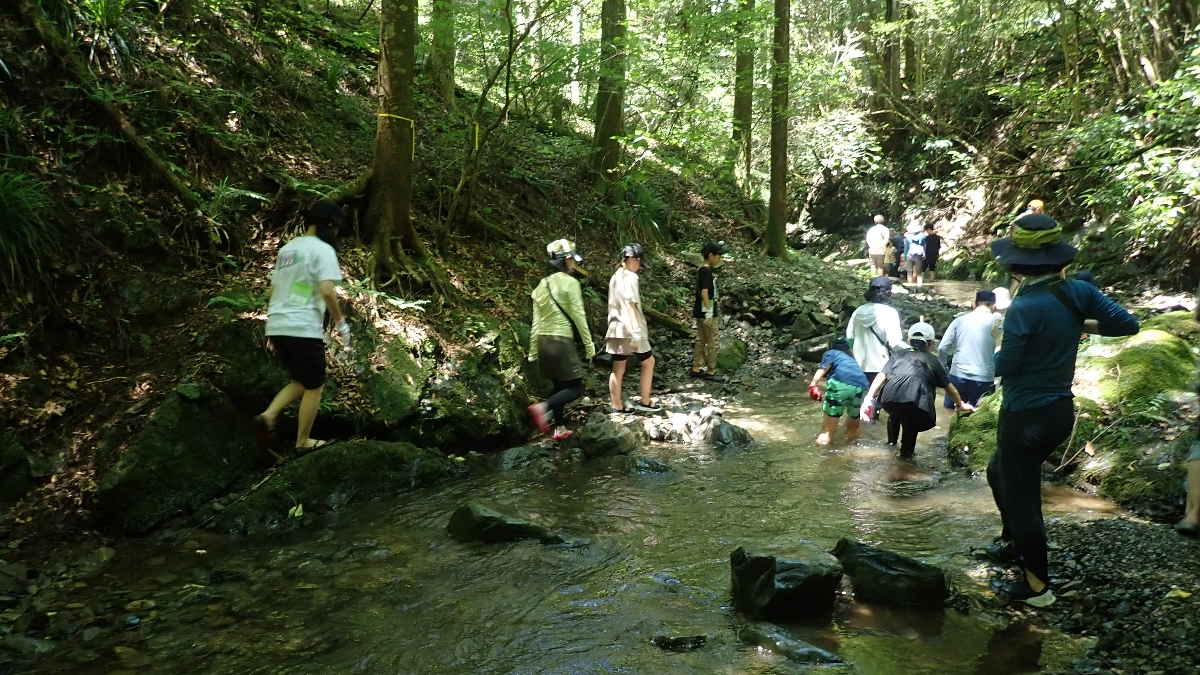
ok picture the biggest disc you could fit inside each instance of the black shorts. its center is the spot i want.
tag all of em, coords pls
(931, 263)
(642, 356)
(304, 358)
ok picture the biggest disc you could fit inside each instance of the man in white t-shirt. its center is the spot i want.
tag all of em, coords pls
(877, 239)
(302, 289)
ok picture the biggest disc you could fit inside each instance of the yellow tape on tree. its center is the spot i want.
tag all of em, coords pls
(412, 124)
(476, 136)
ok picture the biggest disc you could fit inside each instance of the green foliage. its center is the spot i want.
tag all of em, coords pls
(27, 239)
(106, 25)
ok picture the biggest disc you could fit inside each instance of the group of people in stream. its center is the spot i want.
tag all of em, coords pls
(914, 254)
(1031, 345)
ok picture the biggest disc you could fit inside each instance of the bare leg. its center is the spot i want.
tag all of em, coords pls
(308, 414)
(852, 429)
(829, 427)
(283, 399)
(614, 384)
(1192, 512)
(647, 379)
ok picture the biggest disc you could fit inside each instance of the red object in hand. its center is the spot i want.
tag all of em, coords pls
(814, 392)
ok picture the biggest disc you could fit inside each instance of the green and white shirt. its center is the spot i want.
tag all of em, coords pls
(297, 308)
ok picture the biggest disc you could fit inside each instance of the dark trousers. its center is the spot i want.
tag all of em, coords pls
(563, 393)
(969, 390)
(905, 421)
(1024, 439)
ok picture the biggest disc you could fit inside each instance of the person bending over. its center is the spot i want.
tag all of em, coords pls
(970, 346)
(845, 385)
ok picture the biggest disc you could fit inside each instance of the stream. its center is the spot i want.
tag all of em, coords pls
(381, 588)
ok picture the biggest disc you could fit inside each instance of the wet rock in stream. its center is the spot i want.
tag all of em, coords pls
(491, 523)
(878, 574)
(602, 436)
(785, 644)
(766, 586)
(679, 643)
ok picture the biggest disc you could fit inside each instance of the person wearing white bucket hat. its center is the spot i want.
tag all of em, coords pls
(906, 388)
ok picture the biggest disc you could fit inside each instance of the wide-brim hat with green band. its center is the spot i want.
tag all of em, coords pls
(1036, 240)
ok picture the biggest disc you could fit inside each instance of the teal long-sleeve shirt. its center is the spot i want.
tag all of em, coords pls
(1041, 339)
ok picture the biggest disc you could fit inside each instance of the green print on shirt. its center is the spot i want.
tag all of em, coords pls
(300, 292)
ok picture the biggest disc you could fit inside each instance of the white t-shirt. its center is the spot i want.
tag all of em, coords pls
(297, 308)
(877, 239)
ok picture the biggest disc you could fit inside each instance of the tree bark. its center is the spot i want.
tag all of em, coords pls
(743, 93)
(443, 52)
(776, 238)
(65, 53)
(610, 95)
(391, 177)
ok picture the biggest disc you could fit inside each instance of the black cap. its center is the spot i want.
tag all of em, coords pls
(988, 297)
(633, 250)
(882, 283)
(712, 248)
(326, 211)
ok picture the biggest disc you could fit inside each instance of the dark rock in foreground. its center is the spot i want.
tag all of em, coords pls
(878, 574)
(765, 586)
(491, 523)
(784, 643)
(603, 437)
(334, 476)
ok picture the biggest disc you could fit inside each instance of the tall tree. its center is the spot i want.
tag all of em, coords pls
(743, 92)
(610, 95)
(443, 51)
(395, 141)
(777, 208)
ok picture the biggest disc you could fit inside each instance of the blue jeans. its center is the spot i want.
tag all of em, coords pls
(969, 390)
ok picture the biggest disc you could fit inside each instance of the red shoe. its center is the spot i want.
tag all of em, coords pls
(541, 420)
(563, 434)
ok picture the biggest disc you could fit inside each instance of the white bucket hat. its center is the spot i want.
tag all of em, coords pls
(563, 248)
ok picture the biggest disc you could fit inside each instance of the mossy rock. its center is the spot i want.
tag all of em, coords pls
(330, 478)
(1181, 324)
(190, 451)
(732, 355)
(1141, 367)
(1139, 486)
(473, 414)
(249, 374)
(394, 391)
(972, 438)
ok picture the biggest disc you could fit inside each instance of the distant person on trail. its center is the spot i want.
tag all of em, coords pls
(969, 345)
(1037, 361)
(914, 253)
(890, 266)
(933, 250)
(558, 315)
(906, 388)
(845, 386)
(628, 333)
(302, 289)
(1189, 526)
(898, 246)
(704, 310)
(877, 238)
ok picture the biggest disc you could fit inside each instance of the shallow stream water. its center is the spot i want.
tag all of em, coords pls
(381, 588)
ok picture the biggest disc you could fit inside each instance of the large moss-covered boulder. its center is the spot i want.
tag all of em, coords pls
(1122, 372)
(246, 371)
(471, 414)
(195, 444)
(732, 355)
(395, 386)
(972, 439)
(332, 477)
(1181, 324)
(16, 477)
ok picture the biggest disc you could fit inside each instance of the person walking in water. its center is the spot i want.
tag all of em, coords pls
(969, 345)
(877, 239)
(906, 388)
(845, 385)
(1037, 361)
(704, 310)
(302, 289)
(874, 329)
(558, 315)
(933, 251)
(914, 253)
(628, 333)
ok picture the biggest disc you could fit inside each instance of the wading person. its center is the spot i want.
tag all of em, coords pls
(627, 333)
(901, 267)
(1190, 525)
(845, 385)
(704, 310)
(914, 253)
(906, 388)
(877, 239)
(933, 250)
(558, 316)
(302, 289)
(874, 329)
(969, 345)
(1037, 361)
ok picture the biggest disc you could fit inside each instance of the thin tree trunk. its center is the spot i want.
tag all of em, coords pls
(776, 236)
(610, 95)
(391, 177)
(576, 41)
(443, 52)
(743, 93)
(65, 53)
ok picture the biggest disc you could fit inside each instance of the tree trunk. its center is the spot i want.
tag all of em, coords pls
(610, 96)
(391, 178)
(776, 238)
(576, 41)
(443, 52)
(743, 94)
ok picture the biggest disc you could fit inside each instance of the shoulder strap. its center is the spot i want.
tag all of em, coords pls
(574, 330)
(881, 340)
(1066, 300)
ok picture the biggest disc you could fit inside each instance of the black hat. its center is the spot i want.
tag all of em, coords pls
(988, 297)
(633, 250)
(712, 248)
(326, 211)
(1036, 240)
(882, 283)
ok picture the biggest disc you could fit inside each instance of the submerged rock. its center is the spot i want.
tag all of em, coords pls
(530, 460)
(490, 523)
(784, 643)
(765, 586)
(331, 477)
(679, 643)
(878, 574)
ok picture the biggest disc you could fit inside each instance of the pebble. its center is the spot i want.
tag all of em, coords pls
(132, 658)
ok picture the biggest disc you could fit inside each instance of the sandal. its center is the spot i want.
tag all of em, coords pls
(1188, 529)
(317, 445)
(266, 435)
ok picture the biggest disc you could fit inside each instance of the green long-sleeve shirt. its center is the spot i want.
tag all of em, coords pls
(549, 320)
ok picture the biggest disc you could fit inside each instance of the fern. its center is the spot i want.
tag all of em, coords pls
(25, 238)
